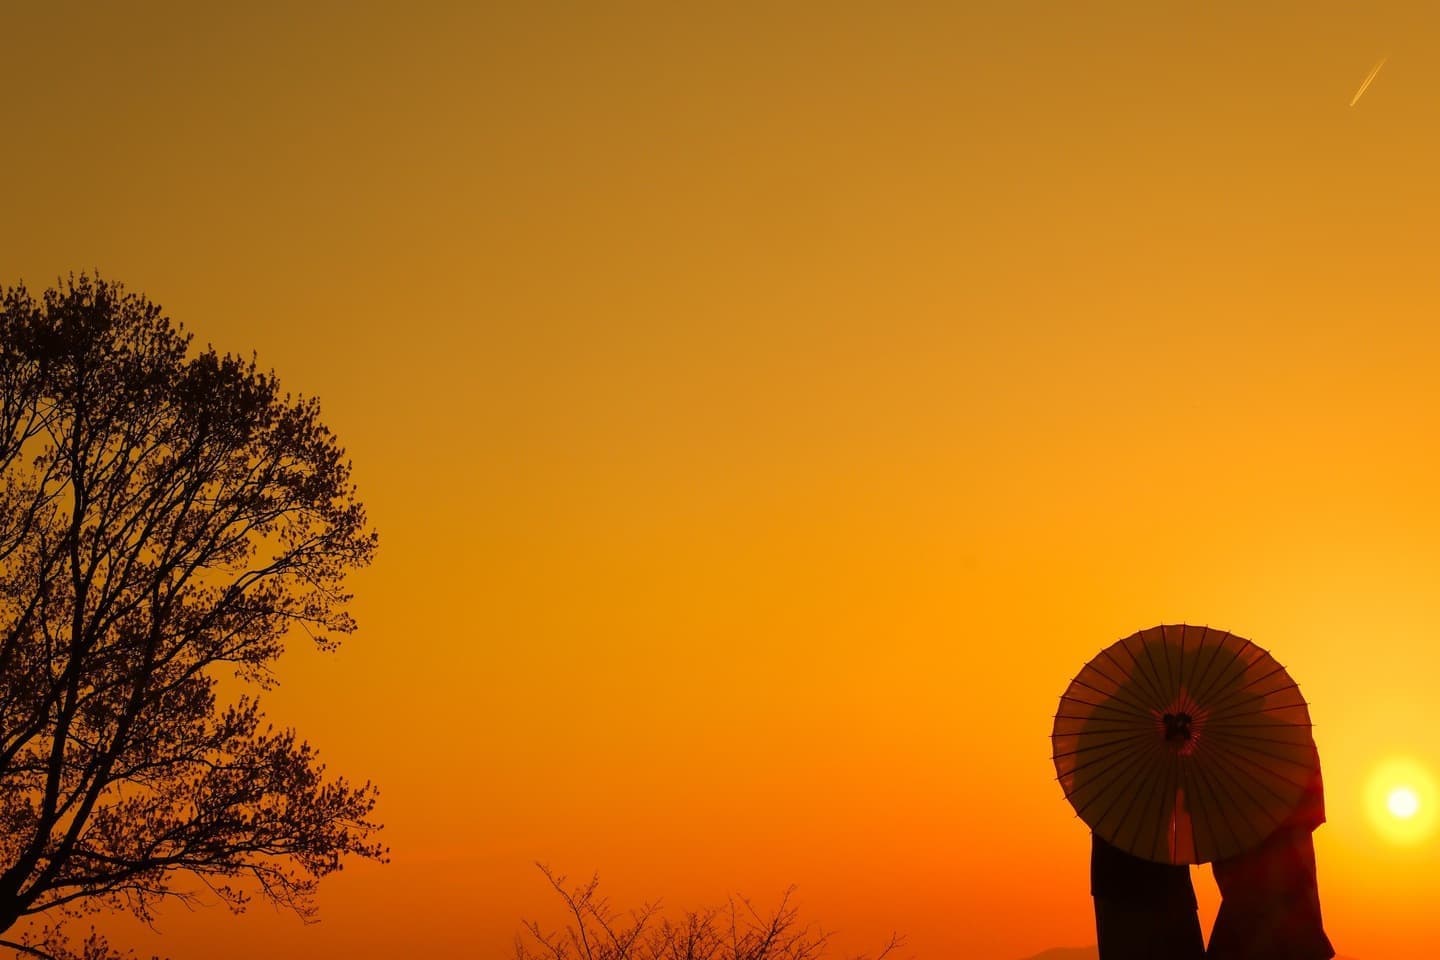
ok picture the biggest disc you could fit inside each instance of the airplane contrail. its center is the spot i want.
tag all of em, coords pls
(1364, 86)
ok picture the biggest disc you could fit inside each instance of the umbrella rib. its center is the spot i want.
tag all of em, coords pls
(1278, 676)
(1184, 693)
(1086, 739)
(1245, 710)
(1115, 711)
(1184, 629)
(1122, 759)
(1180, 660)
(1248, 752)
(1137, 676)
(1165, 655)
(1169, 778)
(1249, 771)
(1106, 786)
(1223, 678)
(1234, 791)
(1153, 780)
(1186, 785)
(1122, 687)
(1302, 728)
(1139, 709)
(1267, 779)
(1122, 718)
(1110, 762)
(1250, 736)
(1094, 724)
(1094, 664)
(1131, 675)
(1164, 697)
(1237, 692)
(1234, 744)
(1203, 806)
(1132, 794)
(1233, 772)
(1099, 746)
(1239, 708)
(1148, 796)
(1226, 743)
(1205, 682)
(1177, 787)
(1121, 745)
(1069, 701)
(1239, 713)
(1116, 789)
(1147, 778)
(1238, 758)
(1212, 788)
(1201, 678)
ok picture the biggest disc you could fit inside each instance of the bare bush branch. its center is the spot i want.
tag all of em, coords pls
(738, 931)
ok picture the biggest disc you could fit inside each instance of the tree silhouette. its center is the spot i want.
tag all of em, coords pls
(736, 931)
(167, 517)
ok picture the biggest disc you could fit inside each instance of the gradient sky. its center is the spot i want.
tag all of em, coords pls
(767, 408)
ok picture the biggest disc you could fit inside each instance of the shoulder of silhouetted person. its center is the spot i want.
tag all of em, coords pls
(1310, 812)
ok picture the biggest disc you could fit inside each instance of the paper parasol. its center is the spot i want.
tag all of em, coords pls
(1183, 744)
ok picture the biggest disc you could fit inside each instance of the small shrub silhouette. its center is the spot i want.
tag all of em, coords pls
(735, 931)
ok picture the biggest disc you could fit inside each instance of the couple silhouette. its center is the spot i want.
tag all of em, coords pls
(1187, 745)
(1270, 899)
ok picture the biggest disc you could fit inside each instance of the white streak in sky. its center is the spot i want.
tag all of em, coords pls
(1364, 86)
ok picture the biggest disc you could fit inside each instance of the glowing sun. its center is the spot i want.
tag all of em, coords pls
(1403, 803)
(1402, 798)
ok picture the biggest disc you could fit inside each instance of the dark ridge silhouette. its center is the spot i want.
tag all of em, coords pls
(1090, 953)
(1068, 953)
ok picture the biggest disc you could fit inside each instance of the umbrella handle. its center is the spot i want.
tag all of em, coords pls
(1181, 835)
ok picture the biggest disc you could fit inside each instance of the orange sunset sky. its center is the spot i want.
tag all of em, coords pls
(767, 408)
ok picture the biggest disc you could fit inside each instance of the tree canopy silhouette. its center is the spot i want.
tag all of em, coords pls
(167, 517)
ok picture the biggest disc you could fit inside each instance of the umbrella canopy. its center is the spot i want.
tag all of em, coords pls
(1183, 744)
